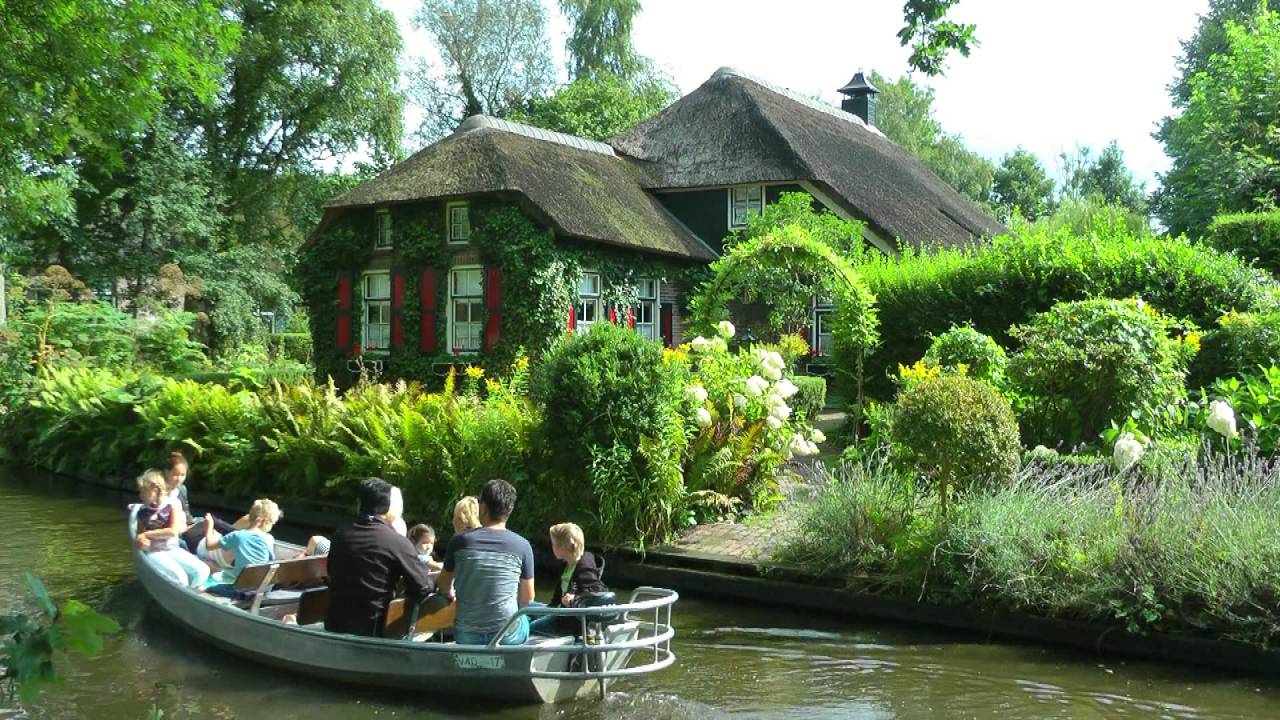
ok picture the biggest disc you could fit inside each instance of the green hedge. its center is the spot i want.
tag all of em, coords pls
(811, 397)
(993, 287)
(1253, 236)
(1240, 343)
(290, 346)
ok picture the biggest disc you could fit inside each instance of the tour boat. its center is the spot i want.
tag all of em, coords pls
(272, 628)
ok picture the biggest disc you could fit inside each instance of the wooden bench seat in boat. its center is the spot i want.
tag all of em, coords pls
(431, 617)
(281, 581)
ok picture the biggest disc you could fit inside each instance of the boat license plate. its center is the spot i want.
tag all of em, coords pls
(480, 662)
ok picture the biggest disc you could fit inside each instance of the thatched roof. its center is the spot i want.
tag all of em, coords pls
(737, 129)
(579, 187)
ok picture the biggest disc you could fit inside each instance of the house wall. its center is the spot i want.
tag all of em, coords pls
(705, 211)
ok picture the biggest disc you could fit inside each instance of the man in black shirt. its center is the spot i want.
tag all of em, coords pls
(367, 561)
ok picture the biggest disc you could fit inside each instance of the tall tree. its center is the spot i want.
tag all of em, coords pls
(932, 36)
(494, 55)
(1022, 184)
(1209, 39)
(600, 37)
(597, 106)
(1225, 146)
(1104, 175)
(905, 115)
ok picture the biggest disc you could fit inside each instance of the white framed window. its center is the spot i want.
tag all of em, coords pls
(375, 331)
(823, 314)
(466, 309)
(382, 225)
(647, 308)
(458, 219)
(589, 308)
(743, 202)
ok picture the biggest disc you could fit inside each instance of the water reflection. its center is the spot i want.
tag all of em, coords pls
(744, 662)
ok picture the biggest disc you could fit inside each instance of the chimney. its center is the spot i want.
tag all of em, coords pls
(860, 98)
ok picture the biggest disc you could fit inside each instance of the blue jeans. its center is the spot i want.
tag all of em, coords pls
(517, 636)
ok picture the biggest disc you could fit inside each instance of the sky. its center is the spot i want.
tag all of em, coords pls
(1048, 74)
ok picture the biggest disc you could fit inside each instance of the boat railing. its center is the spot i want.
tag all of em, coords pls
(649, 608)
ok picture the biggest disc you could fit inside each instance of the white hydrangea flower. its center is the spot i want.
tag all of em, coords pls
(739, 402)
(726, 329)
(773, 422)
(817, 436)
(703, 418)
(1222, 419)
(1126, 452)
(697, 392)
(811, 448)
(756, 385)
(772, 373)
(786, 388)
(774, 359)
(799, 446)
(699, 344)
(719, 344)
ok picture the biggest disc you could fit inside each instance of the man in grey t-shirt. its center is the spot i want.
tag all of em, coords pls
(490, 571)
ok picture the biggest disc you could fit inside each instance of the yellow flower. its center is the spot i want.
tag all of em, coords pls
(474, 373)
(1192, 339)
(917, 373)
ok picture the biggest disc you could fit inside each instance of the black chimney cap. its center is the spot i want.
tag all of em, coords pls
(858, 86)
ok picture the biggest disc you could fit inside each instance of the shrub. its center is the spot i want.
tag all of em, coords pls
(811, 398)
(1254, 398)
(982, 356)
(164, 343)
(1241, 342)
(1251, 235)
(995, 286)
(295, 346)
(613, 431)
(1087, 365)
(957, 431)
(81, 420)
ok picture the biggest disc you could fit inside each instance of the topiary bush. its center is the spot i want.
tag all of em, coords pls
(811, 397)
(614, 433)
(958, 431)
(1251, 235)
(1087, 365)
(1241, 343)
(992, 287)
(962, 345)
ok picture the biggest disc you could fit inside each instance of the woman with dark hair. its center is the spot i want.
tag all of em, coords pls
(176, 467)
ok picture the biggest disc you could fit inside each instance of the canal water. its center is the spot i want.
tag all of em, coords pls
(734, 660)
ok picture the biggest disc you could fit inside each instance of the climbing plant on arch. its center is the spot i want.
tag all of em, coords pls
(785, 270)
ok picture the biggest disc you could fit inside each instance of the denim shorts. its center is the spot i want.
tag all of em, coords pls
(518, 635)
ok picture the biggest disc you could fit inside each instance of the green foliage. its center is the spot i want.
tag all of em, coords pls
(932, 36)
(613, 432)
(1091, 215)
(956, 431)
(1087, 365)
(1251, 235)
(1225, 144)
(295, 346)
(165, 344)
(1105, 179)
(904, 113)
(1254, 398)
(30, 642)
(597, 106)
(797, 209)
(1006, 282)
(599, 42)
(1240, 343)
(982, 357)
(1022, 185)
(811, 398)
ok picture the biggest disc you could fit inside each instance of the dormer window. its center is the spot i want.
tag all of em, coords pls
(744, 202)
(458, 219)
(382, 225)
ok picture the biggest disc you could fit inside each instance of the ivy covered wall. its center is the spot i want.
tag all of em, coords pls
(537, 276)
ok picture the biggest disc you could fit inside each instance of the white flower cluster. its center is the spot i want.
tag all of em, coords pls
(701, 344)
(771, 363)
(725, 329)
(1222, 419)
(1127, 451)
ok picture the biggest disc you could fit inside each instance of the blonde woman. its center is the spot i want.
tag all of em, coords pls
(466, 514)
(581, 573)
(157, 533)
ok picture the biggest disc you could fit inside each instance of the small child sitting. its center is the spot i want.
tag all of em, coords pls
(423, 538)
(247, 547)
(581, 574)
(157, 533)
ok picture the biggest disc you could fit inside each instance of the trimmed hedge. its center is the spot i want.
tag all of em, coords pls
(1252, 236)
(1240, 343)
(993, 287)
(811, 397)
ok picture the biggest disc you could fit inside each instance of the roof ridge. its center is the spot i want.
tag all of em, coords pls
(811, 103)
(476, 122)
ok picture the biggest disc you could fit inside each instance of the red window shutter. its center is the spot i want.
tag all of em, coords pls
(492, 303)
(668, 332)
(343, 336)
(631, 318)
(573, 318)
(613, 315)
(397, 309)
(427, 312)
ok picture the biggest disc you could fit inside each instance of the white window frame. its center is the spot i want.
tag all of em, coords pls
(746, 203)
(823, 312)
(382, 230)
(381, 340)
(474, 302)
(653, 303)
(580, 323)
(449, 226)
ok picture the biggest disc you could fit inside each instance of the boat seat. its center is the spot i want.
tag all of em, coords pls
(313, 606)
(280, 582)
(436, 613)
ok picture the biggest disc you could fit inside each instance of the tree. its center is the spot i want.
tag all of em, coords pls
(932, 36)
(1225, 146)
(597, 106)
(1105, 176)
(1209, 39)
(600, 38)
(905, 115)
(493, 58)
(1021, 183)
